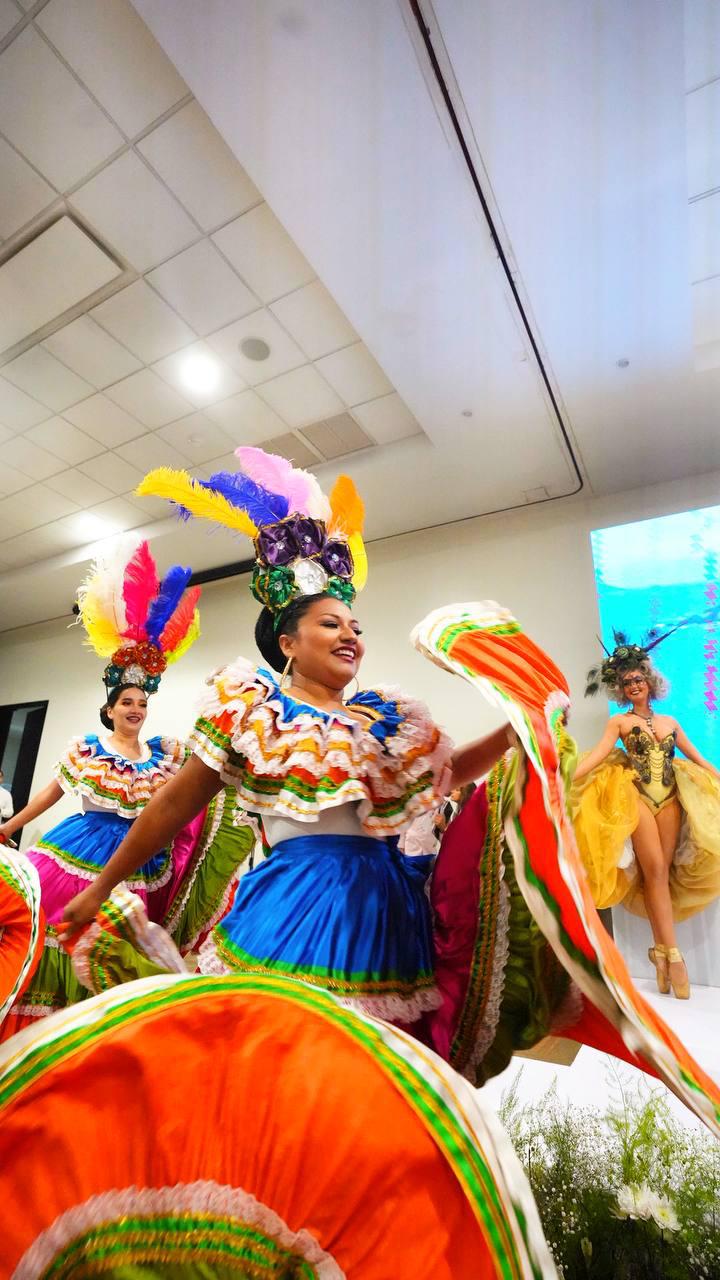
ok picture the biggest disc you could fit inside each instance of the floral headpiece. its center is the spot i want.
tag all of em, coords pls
(624, 657)
(304, 542)
(140, 622)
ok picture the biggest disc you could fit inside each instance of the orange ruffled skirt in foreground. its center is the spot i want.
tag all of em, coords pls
(252, 1127)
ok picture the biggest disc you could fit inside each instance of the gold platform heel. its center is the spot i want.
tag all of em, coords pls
(659, 957)
(681, 989)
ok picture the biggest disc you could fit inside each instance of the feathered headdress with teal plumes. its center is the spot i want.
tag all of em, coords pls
(140, 621)
(305, 543)
(624, 657)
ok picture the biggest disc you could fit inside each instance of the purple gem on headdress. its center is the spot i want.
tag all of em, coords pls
(277, 544)
(337, 558)
(309, 535)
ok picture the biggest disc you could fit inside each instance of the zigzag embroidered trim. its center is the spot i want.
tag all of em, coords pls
(229, 1210)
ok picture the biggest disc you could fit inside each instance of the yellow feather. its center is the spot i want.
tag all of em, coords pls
(101, 628)
(188, 639)
(178, 486)
(359, 555)
(346, 506)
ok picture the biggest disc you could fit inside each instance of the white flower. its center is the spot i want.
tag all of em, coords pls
(665, 1215)
(635, 1202)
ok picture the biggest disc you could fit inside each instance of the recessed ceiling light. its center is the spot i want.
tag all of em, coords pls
(199, 372)
(467, 413)
(622, 363)
(255, 348)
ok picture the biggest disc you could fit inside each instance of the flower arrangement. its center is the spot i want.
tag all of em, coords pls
(628, 1194)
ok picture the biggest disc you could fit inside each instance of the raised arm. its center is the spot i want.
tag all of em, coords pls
(179, 801)
(477, 758)
(601, 751)
(692, 752)
(40, 803)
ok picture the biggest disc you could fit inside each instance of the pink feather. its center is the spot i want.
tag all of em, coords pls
(176, 627)
(278, 475)
(140, 586)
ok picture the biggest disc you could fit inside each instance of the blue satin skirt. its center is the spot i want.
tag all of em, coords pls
(347, 913)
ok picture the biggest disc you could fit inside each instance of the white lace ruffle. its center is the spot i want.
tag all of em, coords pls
(82, 874)
(202, 1197)
(395, 1008)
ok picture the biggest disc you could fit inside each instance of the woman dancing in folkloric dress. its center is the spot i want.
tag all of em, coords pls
(142, 625)
(668, 808)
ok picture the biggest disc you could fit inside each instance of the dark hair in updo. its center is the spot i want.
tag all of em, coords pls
(269, 627)
(112, 699)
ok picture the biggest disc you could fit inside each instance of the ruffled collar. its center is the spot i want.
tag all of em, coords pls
(383, 714)
(155, 750)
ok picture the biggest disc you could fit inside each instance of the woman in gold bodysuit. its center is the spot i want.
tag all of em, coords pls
(647, 823)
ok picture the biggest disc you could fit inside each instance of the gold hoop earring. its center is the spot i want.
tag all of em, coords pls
(286, 672)
(357, 690)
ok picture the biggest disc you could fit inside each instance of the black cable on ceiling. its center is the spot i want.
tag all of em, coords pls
(426, 36)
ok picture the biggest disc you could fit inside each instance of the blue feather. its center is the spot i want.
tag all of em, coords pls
(166, 601)
(261, 505)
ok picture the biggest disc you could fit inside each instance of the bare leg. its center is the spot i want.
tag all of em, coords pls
(668, 823)
(654, 865)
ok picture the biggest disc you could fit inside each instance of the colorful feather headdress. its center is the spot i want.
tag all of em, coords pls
(624, 657)
(304, 542)
(140, 622)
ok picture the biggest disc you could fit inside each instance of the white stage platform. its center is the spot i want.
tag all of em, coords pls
(589, 1079)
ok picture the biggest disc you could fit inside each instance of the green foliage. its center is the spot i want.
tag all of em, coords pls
(579, 1160)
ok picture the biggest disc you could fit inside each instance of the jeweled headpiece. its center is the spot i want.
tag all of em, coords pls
(304, 542)
(140, 622)
(624, 657)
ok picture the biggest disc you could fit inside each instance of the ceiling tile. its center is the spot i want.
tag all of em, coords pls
(149, 508)
(284, 353)
(79, 488)
(30, 458)
(133, 211)
(704, 228)
(226, 462)
(197, 438)
(5, 434)
(65, 441)
(150, 452)
(18, 410)
(121, 513)
(48, 116)
(301, 397)
(38, 544)
(202, 288)
(294, 449)
(11, 480)
(706, 312)
(149, 399)
(60, 267)
(315, 320)
(40, 374)
(701, 21)
(33, 507)
(118, 59)
(259, 247)
(88, 350)
(114, 472)
(104, 421)
(173, 367)
(10, 15)
(143, 322)
(87, 526)
(336, 436)
(354, 374)
(702, 115)
(246, 418)
(189, 154)
(23, 193)
(387, 419)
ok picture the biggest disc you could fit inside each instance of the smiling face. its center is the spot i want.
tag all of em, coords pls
(327, 645)
(635, 686)
(129, 712)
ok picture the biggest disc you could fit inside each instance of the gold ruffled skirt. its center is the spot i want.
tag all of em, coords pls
(604, 807)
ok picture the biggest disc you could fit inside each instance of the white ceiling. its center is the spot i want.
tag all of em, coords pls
(290, 172)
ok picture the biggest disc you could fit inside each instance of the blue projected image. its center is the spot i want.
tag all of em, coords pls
(657, 573)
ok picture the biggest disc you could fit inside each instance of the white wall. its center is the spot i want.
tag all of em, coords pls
(537, 562)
